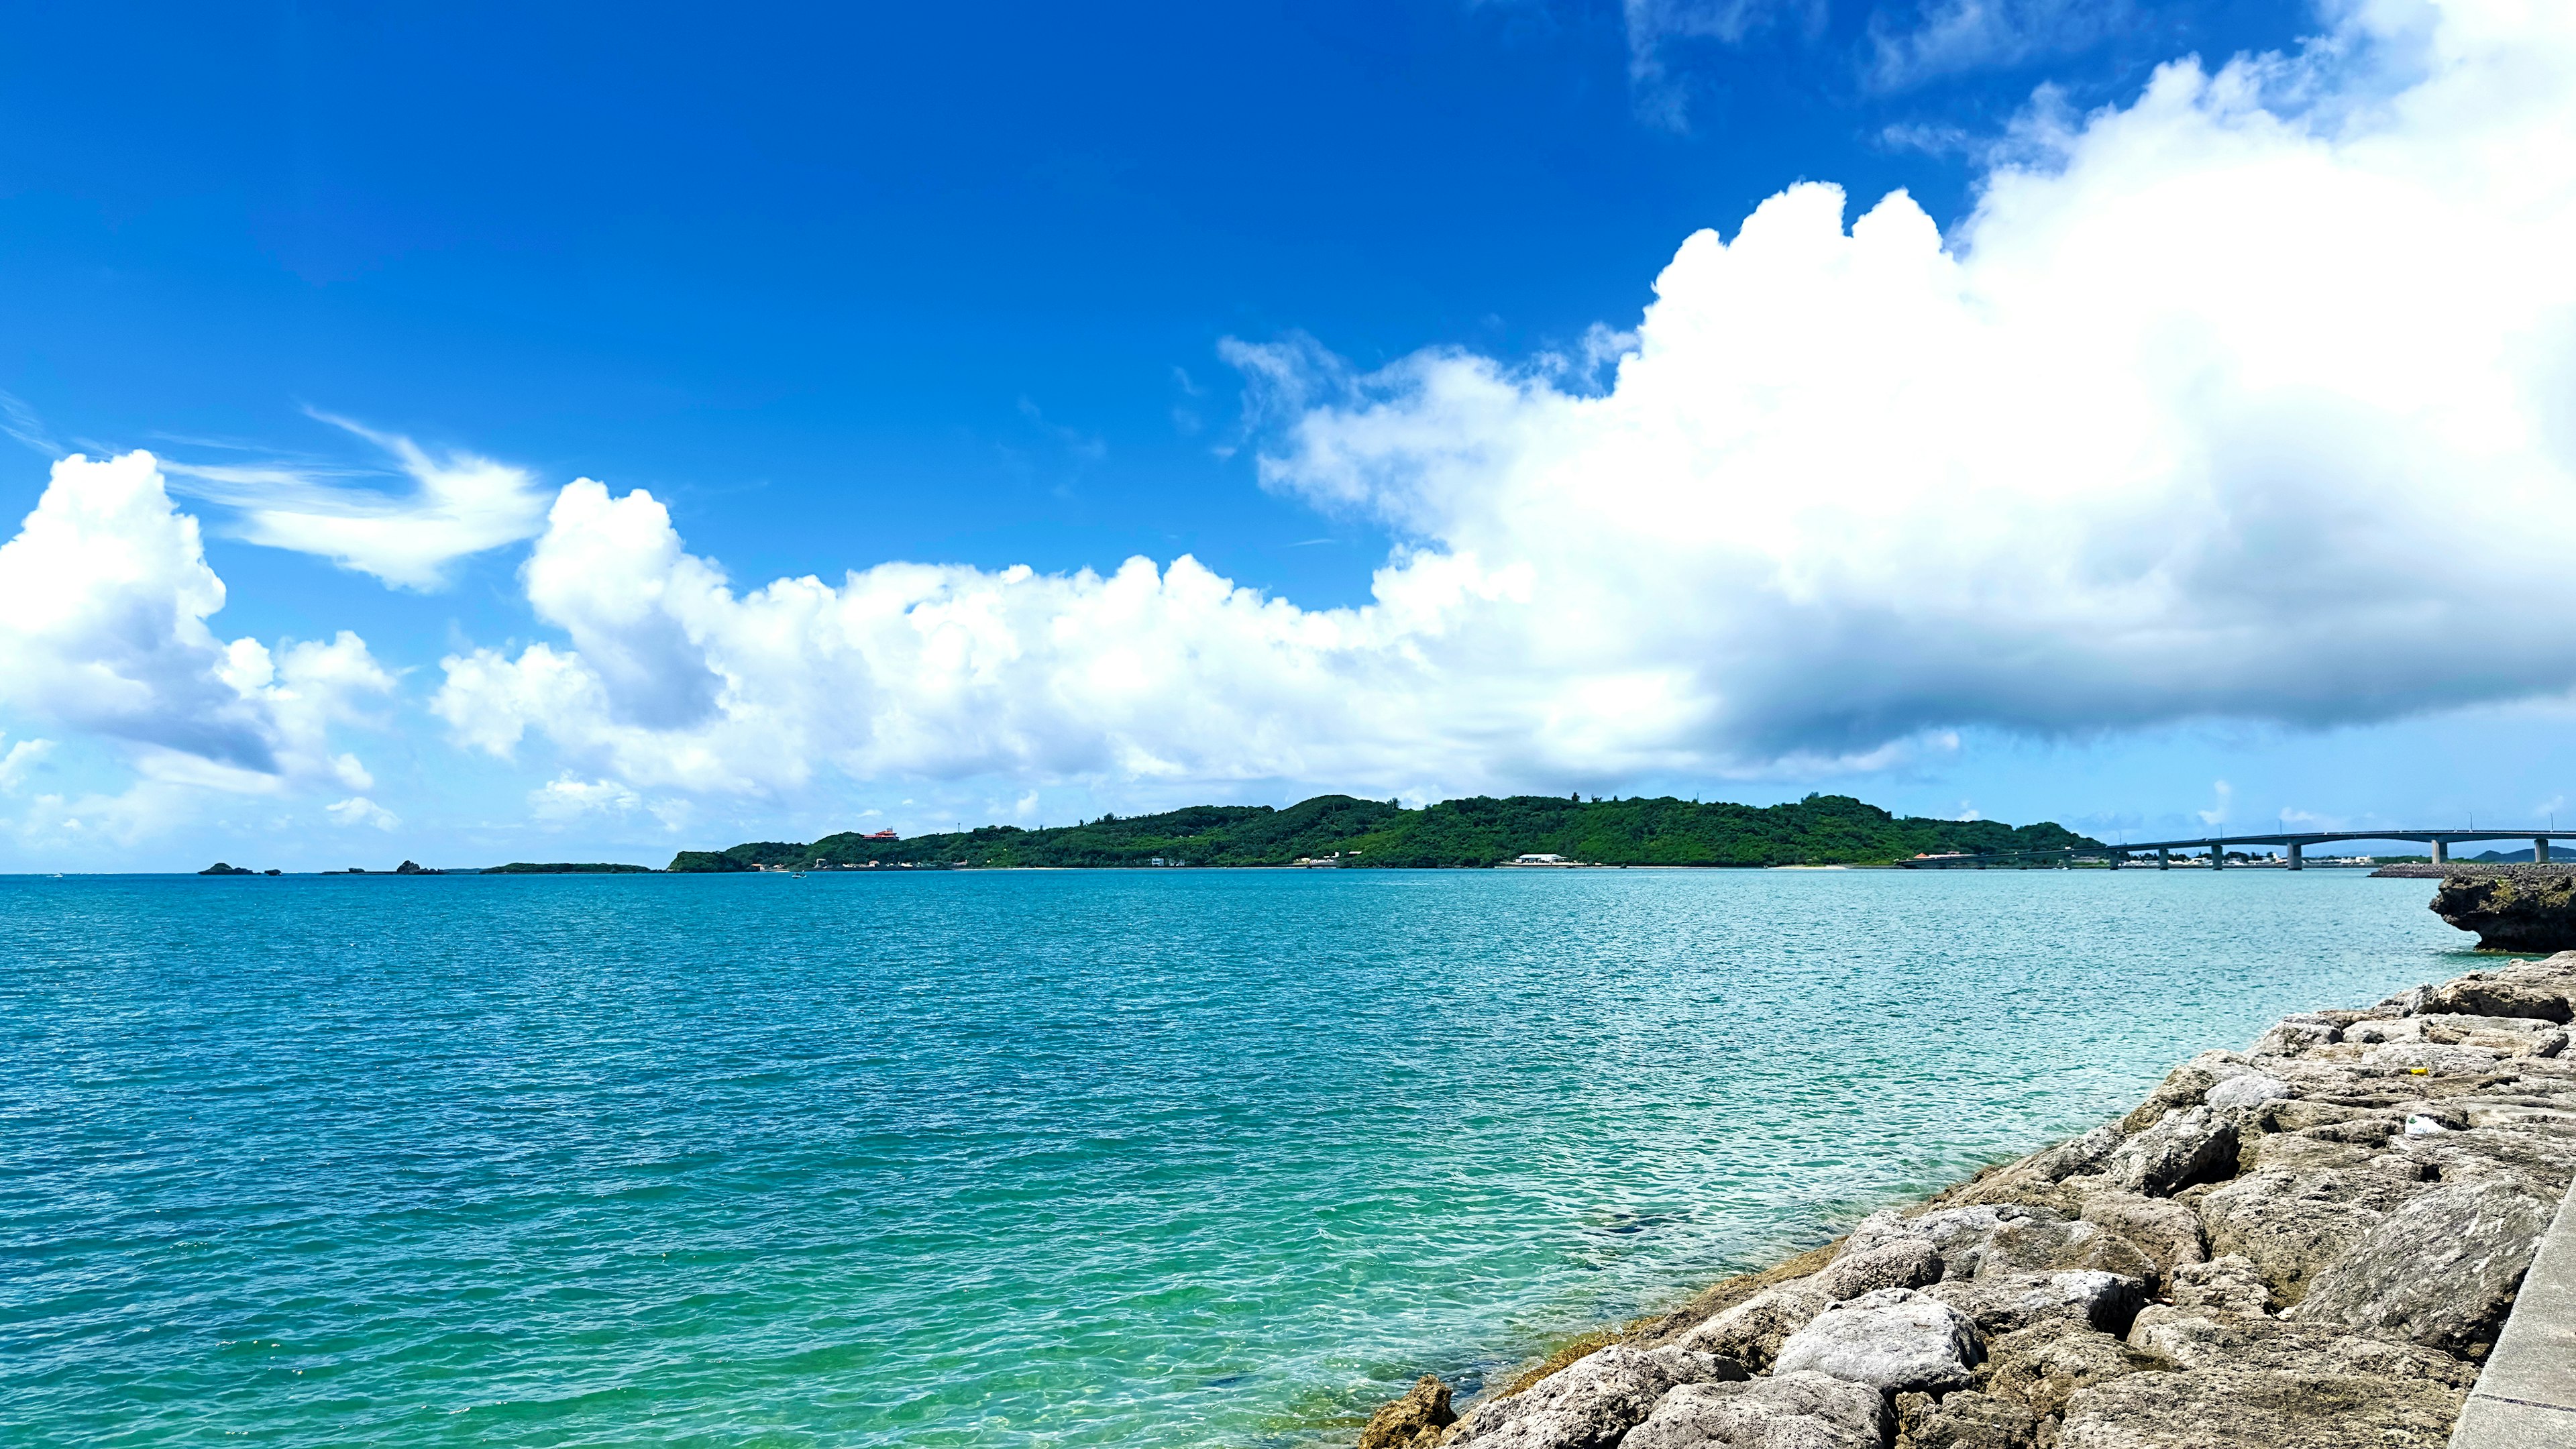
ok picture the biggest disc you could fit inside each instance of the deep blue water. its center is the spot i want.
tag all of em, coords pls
(1153, 1158)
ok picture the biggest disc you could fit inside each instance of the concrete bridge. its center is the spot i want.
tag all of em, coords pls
(2215, 847)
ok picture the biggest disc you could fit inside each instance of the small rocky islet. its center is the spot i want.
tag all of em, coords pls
(2310, 1244)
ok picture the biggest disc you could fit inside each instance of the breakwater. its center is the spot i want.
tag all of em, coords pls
(2314, 1242)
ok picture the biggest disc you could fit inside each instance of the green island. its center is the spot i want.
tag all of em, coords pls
(1340, 829)
(530, 867)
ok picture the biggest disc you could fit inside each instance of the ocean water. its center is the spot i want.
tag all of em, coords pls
(1148, 1158)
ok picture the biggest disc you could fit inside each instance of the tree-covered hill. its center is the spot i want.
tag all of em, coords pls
(1819, 830)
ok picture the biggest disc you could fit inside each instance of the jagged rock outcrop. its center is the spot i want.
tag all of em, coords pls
(2006, 1302)
(1893, 1340)
(1963, 1421)
(2239, 1408)
(2310, 1245)
(1902, 1263)
(1593, 1402)
(1412, 1422)
(1789, 1411)
(2441, 1270)
(2531, 909)
(2042, 1366)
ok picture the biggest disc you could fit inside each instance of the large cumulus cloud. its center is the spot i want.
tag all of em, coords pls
(104, 597)
(2254, 399)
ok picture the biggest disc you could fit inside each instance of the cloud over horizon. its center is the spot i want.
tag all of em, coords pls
(2234, 403)
(2243, 401)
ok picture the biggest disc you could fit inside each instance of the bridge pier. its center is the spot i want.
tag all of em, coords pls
(2441, 851)
(2540, 850)
(2218, 857)
(2164, 860)
(2296, 861)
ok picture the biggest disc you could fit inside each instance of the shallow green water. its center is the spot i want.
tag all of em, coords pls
(1141, 1158)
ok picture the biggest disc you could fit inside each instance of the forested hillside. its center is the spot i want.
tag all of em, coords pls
(1819, 830)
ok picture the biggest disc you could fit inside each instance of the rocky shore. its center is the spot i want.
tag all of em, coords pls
(2310, 1244)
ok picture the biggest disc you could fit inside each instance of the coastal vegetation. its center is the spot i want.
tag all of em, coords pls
(1481, 831)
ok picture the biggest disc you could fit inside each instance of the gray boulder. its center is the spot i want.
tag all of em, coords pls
(1961, 1235)
(1752, 1331)
(2184, 1147)
(2441, 1270)
(2429, 1057)
(2537, 1151)
(1902, 1263)
(1790, 1411)
(2259, 1409)
(1893, 1340)
(2484, 993)
(2039, 1245)
(2166, 1231)
(2078, 1155)
(2205, 1339)
(2293, 1225)
(2230, 1284)
(1592, 1402)
(2043, 1366)
(2295, 1034)
(1964, 1421)
(2005, 1302)
(2250, 1090)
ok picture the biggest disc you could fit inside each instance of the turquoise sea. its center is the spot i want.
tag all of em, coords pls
(1144, 1158)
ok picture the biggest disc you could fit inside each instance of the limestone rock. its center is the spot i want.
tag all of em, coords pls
(1790, 1411)
(2195, 1340)
(1592, 1402)
(2441, 1270)
(1752, 1331)
(1963, 1421)
(1412, 1422)
(2259, 1409)
(1901, 1263)
(2429, 1057)
(2006, 1302)
(2166, 1231)
(2078, 1155)
(1892, 1340)
(2182, 1148)
(2293, 1224)
(2048, 1243)
(2229, 1284)
(2044, 1365)
(1960, 1235)
(2304, 1152)
(2540, 1152)
(2251, 1089)
(2295, 1034)
(2532, 910)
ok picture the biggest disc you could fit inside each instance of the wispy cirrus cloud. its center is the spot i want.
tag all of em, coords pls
(1656, 26)
(458, 505)
(1947, 37)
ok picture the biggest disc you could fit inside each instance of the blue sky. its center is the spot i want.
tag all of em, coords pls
(1024, 286)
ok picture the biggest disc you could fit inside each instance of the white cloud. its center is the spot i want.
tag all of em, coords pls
(570, 798)
(459, 505)
(1654, 25)
(1949, 36)
(21, 758)
(104, 596)
(2222, 798)
(359, 810)
(2234, 403)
